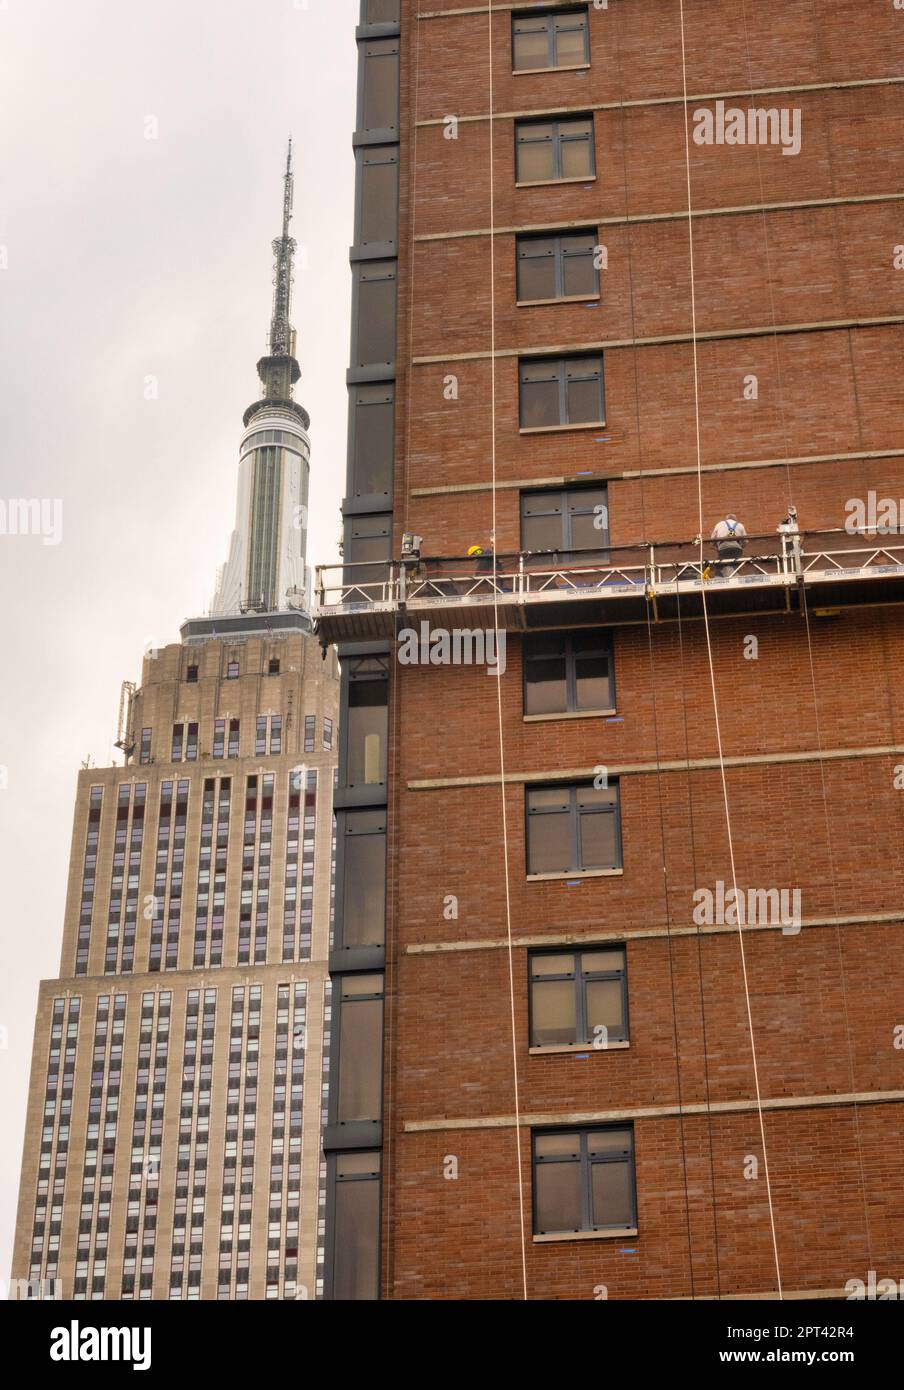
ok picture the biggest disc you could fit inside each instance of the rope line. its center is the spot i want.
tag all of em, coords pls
(498, 677)
(662, 831)
(709, 654)
(780, 383)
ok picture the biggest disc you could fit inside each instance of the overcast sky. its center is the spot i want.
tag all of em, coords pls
(124, 258)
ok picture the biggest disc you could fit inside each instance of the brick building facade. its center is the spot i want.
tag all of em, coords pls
(581, 338)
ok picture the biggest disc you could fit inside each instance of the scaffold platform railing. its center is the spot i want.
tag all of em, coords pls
(615, 585)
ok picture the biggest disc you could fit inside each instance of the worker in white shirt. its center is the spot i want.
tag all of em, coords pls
(730, 538)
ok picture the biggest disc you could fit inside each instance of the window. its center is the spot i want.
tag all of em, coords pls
(546, 151)
(367, 542)
(310, 732)
(379, 89)
(557, 40)
(363, 880)
(558, 391)
(359, 1091)
(380, 12)
(219, 737)
(327, 734)
(232, 671)
(578, 997)
(367, 721)
(568, 673)
(378, 196)
(191, 675)
(356, 1227)
(178, 734)
(557, 267)
(374, 333)
(573, 523)
(371, 438)
(260, 736)
(144, 755)
(273, 666)
(584, 1181)
(191, 746)
(573, 829)
(276, 733)
(233, 749)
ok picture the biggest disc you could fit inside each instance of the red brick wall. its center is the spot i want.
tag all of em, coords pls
(824, 1002)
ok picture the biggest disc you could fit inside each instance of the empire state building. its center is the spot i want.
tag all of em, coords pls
(173, 1137)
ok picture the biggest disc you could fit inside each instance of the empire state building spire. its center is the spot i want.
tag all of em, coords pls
(280, 370)
(265, 572)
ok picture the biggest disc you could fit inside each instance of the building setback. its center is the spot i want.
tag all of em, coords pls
(173, 1138)
(590, 321)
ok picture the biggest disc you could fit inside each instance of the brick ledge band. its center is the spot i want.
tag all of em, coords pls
(712, 335)
(644, 102)
(632, 474)
(653, 1112)
(628, 219)
(567, 938)
(681, 765)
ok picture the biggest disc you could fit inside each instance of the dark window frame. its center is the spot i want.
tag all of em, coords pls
(376, 157)
(380, 397)
(554, 21)
(340, 1003)
(559, 256)
(606, 646)
(574, 815)
(385, 52)
(374, 314)
(557, 370)
(356, 824)
(557, 140)
(335, 1181)
(371, 669)
(580, 977)
(561, 505)
(586, 1174)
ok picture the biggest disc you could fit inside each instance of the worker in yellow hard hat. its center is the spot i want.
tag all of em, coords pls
(484, 559)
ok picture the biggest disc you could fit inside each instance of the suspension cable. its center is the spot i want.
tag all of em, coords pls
(709, 653)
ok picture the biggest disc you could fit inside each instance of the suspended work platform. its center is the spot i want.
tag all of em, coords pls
(633, 584)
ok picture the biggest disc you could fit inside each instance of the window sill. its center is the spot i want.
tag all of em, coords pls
(577, 873)
(559, 299)
(553, 183)
(568, 714)
(552, 429)
(587, 1235)
(563, 67)
(577, 1047)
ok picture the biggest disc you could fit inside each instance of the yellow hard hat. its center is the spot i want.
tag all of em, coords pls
(475, 550)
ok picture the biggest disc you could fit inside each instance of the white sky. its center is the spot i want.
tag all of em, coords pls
(128, 258)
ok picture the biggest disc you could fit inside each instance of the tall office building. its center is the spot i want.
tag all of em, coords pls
(173, 1140)
(622, 271)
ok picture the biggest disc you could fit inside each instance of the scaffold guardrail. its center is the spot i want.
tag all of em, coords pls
(650, 571)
